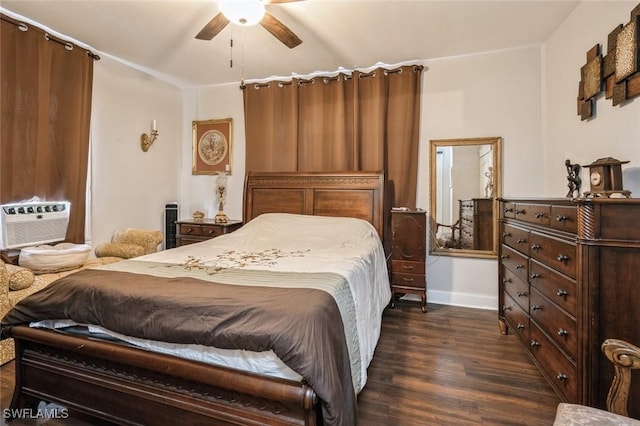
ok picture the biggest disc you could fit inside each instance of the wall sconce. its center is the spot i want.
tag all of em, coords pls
(146, 141)
(221, 183)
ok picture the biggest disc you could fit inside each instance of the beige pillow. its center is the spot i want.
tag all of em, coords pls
(19, 277)
(4, 278)
(123, 250)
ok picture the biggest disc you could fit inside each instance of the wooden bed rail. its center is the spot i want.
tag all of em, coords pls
(71, 361)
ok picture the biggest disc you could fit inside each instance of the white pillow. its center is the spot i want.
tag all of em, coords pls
(46, 258)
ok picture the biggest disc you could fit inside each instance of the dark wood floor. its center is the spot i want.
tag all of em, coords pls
(449, 366)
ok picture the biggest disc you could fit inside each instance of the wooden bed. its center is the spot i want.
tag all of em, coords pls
(126, 385)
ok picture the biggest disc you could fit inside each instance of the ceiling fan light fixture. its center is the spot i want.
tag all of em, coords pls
(243, 12)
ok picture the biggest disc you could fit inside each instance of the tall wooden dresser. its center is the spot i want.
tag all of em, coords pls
(408, 254)
(476, 224)
(569, 278)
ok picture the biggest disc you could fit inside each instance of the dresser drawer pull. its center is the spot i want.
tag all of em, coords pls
(408, 280)
(535, 246)
(520, 326)
(518, 211)
(561, 376)
(538, 215)
(521, 241)
(506, 280)
(561, 218)
(519, 266)
(562, 258)
(407, 267)
(506, 234)
(535, 308)
(506, 308)
(188, 231)
(521, 294)
(534, 343)
(504, 256)
(562, 332)
(211, 232)
(562, 293)
(508, 209)
(534, 276)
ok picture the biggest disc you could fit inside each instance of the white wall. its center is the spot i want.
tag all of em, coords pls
(129, 187)
(484, 95)
(198, 191)
(613, 131)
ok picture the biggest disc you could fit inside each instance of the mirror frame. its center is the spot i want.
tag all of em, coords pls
(496, 142)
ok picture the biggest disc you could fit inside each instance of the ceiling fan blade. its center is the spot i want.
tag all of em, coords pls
(280, 31)
(214, 26)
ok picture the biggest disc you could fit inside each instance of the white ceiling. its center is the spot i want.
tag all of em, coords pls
(159, 36)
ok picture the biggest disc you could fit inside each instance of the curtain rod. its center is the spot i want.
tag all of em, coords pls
(388, 69)
(67, 45)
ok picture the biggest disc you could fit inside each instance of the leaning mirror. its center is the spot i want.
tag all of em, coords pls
(465, 184)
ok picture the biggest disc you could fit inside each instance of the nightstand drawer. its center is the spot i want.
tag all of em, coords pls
(211, 231)
(408, 280)
(407, 267)
(190, 230)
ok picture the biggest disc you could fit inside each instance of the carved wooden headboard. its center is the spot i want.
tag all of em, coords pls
(349, 194)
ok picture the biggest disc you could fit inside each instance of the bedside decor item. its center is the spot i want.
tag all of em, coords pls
(573, 176)
(605, 177)
(145, 140)
(221, 189)
(198, 216)
(211, 147)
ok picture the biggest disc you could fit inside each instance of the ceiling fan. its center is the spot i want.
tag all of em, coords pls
(249, 12)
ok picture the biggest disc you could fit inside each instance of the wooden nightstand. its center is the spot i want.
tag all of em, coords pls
(408, 254)
(190, 231)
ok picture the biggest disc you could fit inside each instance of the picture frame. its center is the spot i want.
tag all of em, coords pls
(212, 146)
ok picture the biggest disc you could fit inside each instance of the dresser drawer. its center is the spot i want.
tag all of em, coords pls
(516, 238)
(408, 280)
(407, 267)
(560, 371)
(558, 254)
(557, 324)
(533, 213)
(560, 289)
(564, 218)
(515, 262)
(190, 230)
(517, 318)
(517, 288)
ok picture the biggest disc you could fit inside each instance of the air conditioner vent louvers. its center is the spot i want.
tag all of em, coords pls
(32, 223)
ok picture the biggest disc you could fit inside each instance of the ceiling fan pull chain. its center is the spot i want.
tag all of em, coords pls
(231, 53)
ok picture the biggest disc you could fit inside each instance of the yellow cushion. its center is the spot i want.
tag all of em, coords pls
(122, 250)
(19, 277)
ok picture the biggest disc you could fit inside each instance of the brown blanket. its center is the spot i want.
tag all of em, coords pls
(302, 326)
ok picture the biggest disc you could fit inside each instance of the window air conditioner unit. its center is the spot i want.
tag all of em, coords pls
(33, 223)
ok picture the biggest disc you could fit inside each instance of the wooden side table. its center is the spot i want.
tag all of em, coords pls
(408, 254)
(190, 231)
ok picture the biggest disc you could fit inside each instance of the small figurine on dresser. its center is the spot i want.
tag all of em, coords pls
(573, 176)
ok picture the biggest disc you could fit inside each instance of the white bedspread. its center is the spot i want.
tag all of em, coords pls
(290, 243)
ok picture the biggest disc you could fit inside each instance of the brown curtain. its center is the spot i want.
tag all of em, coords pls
(362, 121)
(45, 94)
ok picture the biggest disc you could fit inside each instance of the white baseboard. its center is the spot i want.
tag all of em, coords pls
(462, 299)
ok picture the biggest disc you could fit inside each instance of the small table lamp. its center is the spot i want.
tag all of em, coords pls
(221, 182)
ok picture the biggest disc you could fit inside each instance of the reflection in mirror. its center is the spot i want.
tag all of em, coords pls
(465, 183)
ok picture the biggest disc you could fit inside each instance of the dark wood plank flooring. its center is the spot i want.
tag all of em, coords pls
(450, 366)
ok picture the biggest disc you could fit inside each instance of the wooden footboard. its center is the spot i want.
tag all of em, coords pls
(127, 385)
